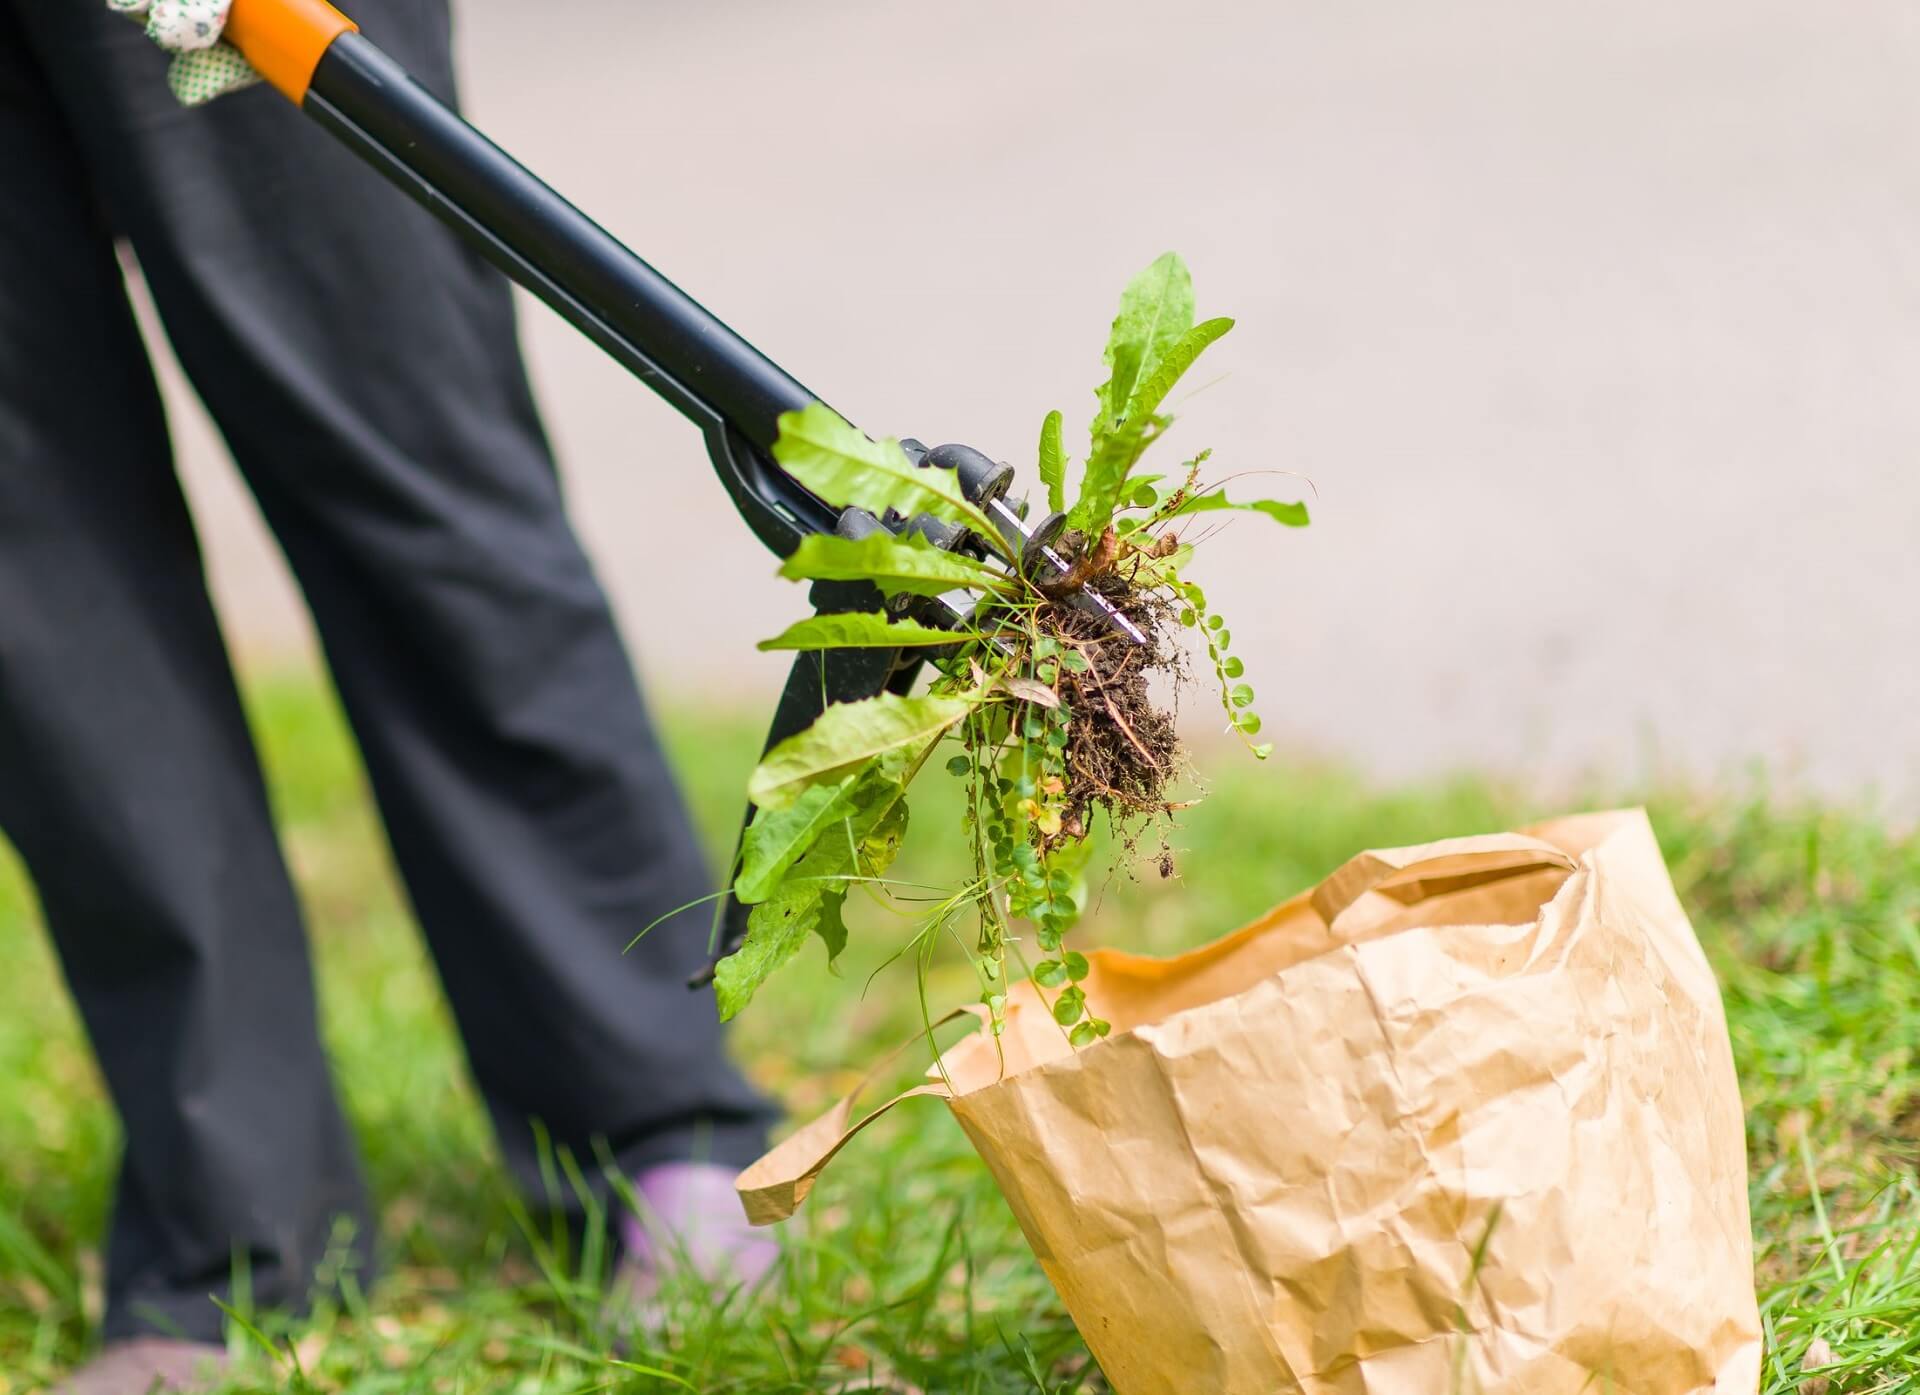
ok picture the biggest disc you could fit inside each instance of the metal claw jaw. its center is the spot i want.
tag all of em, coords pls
(821, 678)
(986, 483)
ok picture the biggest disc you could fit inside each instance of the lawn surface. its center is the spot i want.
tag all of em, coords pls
(906, 1272)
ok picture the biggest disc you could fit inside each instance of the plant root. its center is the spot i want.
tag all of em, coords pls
(1122, 749)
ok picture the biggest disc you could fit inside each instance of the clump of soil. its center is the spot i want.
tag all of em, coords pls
(1122, 750)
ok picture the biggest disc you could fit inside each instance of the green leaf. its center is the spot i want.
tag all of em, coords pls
(843, 736)
(1053, 463)
(775, 931)
(897, 565)
(1068, 1007)
(1049, 973)
(777, 838)
(836, 461)
(1107, 467)
(1155, 310)
(809, 899)
(1086, 1034)
(858, 629)
(1289, 515)
(1077, 966)
(1171, 367)
(880, 843)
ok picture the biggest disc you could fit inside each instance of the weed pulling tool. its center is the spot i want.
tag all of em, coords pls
(317, 58)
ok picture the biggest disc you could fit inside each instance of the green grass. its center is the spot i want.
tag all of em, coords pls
(906, 1272)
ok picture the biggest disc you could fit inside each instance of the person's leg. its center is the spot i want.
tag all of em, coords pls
(128, 781)
(364, 368)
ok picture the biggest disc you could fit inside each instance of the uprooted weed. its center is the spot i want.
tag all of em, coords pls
(1122, 747)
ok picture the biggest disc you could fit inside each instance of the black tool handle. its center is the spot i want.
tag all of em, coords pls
(655, 329)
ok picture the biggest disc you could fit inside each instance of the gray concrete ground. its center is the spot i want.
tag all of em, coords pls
(1595, 326)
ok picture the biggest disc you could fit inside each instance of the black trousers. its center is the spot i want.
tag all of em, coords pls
(363, 369)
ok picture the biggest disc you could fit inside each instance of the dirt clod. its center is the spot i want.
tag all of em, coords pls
(1122, 749)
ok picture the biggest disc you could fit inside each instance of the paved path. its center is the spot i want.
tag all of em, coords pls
(1596, 327)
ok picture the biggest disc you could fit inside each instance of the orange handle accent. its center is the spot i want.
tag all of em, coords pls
(286, 39)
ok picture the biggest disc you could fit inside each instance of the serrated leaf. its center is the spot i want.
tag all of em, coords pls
(777, 838)
(775, 931)
(838, 462)
(1107, 467)
(899, 566)
(880, 843)
(809, 899)
(1053, 463)
(1170, 368)
(1288, 515)
(1155, 310)
(846, 734)
(858, 629)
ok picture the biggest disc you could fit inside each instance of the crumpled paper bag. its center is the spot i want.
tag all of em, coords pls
(1462, 1118)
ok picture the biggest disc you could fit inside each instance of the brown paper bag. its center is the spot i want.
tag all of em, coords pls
(1463, 1118)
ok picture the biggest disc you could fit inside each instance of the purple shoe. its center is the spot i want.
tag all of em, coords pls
(147, 1366)
(691, 1221)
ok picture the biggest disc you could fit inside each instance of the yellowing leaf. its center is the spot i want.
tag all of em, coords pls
(1031, 690)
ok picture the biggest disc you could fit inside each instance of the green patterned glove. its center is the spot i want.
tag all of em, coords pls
(203, 68)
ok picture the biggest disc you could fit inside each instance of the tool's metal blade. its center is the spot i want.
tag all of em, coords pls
(1014, 529)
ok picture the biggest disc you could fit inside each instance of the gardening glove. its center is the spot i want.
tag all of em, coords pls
(203, 67)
